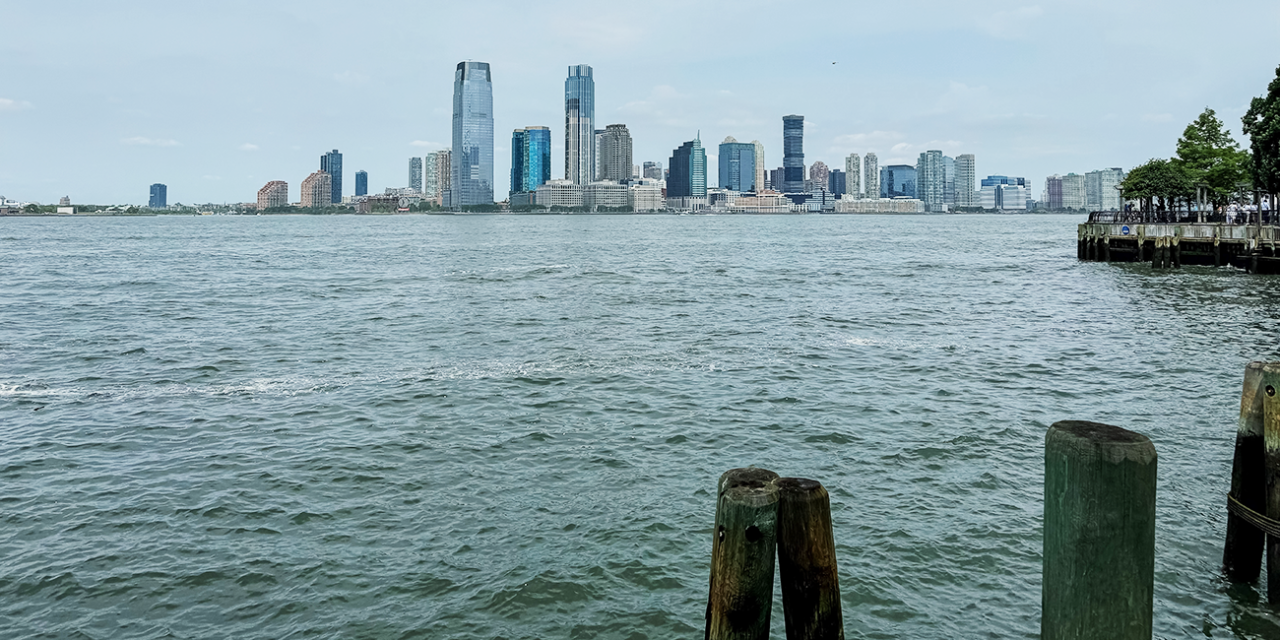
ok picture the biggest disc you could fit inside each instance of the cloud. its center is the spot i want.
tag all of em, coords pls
(426, 143)
(248, 146)
(13, 105)
(1012, 25)
(139, 141)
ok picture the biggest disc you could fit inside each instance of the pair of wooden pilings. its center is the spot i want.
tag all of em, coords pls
(1166, 253)
(1253, 505)
(759, 514)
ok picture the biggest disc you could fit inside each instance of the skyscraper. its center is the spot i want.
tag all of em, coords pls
(530, 158)
(688, 167)
(931, 179)
(836, 182)
(362, 183)
(1004, 193)
(853, 176)
(579, 125)
(898, 181)
(737, 165)
(331, 163)
(652, 170)
(792, 154)
(415, 174)
(472, 158)
(615, 153)
(759, 160)
(1073, 191)
(273, 194)
(438, 174)
(949, 182)
(159, 196)
(819, 174)
(966, 179)
(317, 189)
(1100, 189)
(871, 176)
(1052, 197)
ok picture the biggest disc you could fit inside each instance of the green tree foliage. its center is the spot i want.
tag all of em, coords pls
(1211, 159)
(1262, 125)
(1158, 179)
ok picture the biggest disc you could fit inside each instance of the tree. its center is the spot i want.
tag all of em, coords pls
(1158, 178)
(1210, 158)
(1262, 125)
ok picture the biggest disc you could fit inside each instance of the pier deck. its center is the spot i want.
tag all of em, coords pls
(1107, 238)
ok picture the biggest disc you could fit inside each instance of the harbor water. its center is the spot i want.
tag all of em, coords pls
(512, 426)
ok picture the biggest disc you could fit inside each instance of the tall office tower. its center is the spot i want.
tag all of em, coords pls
(853, 176)
(966, 178)
(836, 182)
(898, 181)
(931, 181)
(792, 154)
(737, 165)
(472, 158)
(439, 180)
(599, 140)
(635, 172)
(615, 153)
(430, 177)
(530, 159)
(871, 176)
(331, 163)
(415, 174)
(760, 170)
(1052, 197)
(949, 182)
(273, 194)
(579, 125)
(317, 190)
(652, 170)
(777, 178)
(159, 196)
(688, 171)
(819, 174)
(1100, 189)
(1073, 191)
(362, 183)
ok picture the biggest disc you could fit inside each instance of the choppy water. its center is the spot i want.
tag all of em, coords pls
(511, 427)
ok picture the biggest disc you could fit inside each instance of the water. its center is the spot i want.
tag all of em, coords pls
(510, 427)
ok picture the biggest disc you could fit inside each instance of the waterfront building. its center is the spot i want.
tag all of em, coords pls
(688, 171)
(792, 154)
(559, 193)
(1100, 189)
(966, 178)
(737, 165)
(438, 174)
(777, 178)
(646, 195)
(362, 183)
(613, 195)
(331, 163)
(836, 183)
(1073, 192)
(1004, 193)
(871, 176)
(898, 181)
(879, 205)
(579, 125)
(949, 182)
(1052, 196)
(273, 194)
(317, 190)
(759, 181)
(415, 174)
(762, 201)
(530, 158)
(819, 174)
(652, 170)
(853, 176)
(931, 181)
(471, 181)
(615, 154)
(159, 196)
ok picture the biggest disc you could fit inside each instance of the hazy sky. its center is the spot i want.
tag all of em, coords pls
(100, 99)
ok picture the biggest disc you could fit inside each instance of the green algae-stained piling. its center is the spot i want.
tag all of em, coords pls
(1270, 384)
(742, 556)
(807, 561)
(1242, 553)
(1099, 533)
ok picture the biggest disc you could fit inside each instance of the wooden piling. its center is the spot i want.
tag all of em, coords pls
(1217, 252)
(1106, 249)
(1099, 533)
(1270, 384)
(1157, 260)
(742, 556)
(1177, 253)
(807, 561)
(1242, 553)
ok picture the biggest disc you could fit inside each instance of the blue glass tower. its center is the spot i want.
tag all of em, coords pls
(472, 157)
(530, 158)
(159, 196)
(579, 125)
(792, 154)
(518, 150)
(362, 183)
(737, 165)
(898, 181)
(688, 172)
(331, 163)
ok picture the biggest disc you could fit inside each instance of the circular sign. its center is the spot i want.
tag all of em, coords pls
(404, 202)
(1124, 231)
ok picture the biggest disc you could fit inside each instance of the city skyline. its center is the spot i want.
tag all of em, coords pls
(217, 129)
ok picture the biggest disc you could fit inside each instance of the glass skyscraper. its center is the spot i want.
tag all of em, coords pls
(159, 196)
(898, 181)
(793, 154)
(472, 157)
(688, 171)
(579, 125)
(530, 158)
(331, 163)
(415, 174)
(362, 183)
(737, 165)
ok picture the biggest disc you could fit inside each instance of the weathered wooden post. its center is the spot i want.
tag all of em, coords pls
(742, 556)
(1177, 252)
(1242, 553)
(1106, 248)
(1270, 384)
(1099, 533)
(1157, 257)
(807, 561)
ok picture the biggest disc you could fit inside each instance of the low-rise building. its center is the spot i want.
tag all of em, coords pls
(605, 194)
(763, 201)
(879, 205)
(559, 193)
(646, 196)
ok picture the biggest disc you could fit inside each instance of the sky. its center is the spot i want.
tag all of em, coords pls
(100, 99)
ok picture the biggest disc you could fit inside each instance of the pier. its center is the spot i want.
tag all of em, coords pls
(1170, 242)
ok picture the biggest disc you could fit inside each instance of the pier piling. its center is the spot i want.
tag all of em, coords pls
(1242, 553)
(1099, 533)
(807, 561)
(742, 556)
(1269, 384)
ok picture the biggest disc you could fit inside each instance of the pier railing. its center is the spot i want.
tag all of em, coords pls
(1175, 217)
